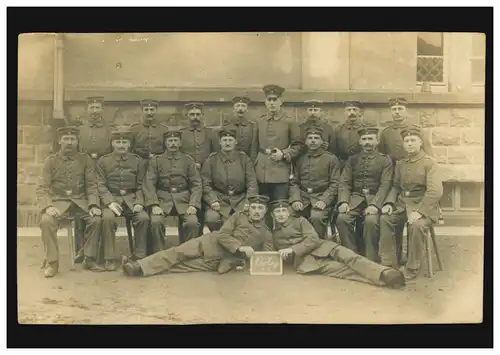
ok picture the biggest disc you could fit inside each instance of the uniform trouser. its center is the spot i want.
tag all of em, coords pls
(389, 225)
(362, 242)
(200, 215)
(140, 221)
(277, 191)
(49, 226)
(187, 230)
(215, 220)
(186, 257)
(345, 264)
(318, 219)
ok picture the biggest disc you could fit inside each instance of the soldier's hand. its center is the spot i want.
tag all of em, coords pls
(320, 205)
(285, 253)
(298, 206)
(191, 210)
(344, 208)
(157, 211)
(247, 250)
(116, 208)
(52, 211)
(277, 156)
(138, 208)
(95, 211)
(414, 216)
(215, 206)
(324, 145)
(371, 210)
(387, 209)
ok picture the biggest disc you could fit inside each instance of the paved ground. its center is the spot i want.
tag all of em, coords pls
(82, 297)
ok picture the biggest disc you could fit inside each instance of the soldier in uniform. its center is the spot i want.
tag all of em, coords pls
(346, 134)
(172, 187)
(120, 175)
(313, 191)
(246, 130)
(198, 141)
(413, 198)
(314, 113)
(67, 187)
(228, 179)
(297, 241)
(241, 235)
(364, 185)
(148, 134)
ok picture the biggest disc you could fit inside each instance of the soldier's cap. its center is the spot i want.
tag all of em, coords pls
(243, 99)
(122, 133)
(227, 132)
(367, 130)
(150, 102)
(393, 101)
(273, 89)
(314, 103)
(358, 104)
(262, 199)
(192, 105)
(279, 204)
(411, 131)
(94, 99)
(172, 133)
(68, 130)
(315, 130)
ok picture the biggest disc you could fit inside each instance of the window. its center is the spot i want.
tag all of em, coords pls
(471, 196)
(431, 58)
(478, 59)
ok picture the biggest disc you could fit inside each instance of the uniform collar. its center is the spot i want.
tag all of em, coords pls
(171, 155)
(370, 155)
(316, 153)
(228, 157)
(96, 123)
(313, 120)
(243, 121)
(286, 223)
(276, 116)
(416, 157)
(402, 124)
(198, 128)
(353, 125)
(67, 156)
(151, 123)
(119, 157)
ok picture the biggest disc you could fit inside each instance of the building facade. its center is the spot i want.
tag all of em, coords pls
(57, 72)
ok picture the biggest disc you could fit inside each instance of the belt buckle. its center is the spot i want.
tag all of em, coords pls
(268, 151)
(230, 192)
(93, 155)
(123, 192)
(173, 189)
(69, 192)
(309, 190)
(407, 193)
(151, 155)
(366, 191)
(198, 165)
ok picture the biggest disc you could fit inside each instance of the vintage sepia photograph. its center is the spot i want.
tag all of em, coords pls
(250, 177)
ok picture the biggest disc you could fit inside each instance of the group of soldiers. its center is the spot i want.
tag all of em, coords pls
(270, 184)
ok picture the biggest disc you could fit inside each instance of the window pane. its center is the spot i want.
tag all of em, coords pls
(430, 43)
(447, 199)
(478, 71)
(470, 195)
(430, 69)
(478, 45)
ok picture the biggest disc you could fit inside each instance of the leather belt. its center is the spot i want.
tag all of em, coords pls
(366, 191)
(266, 151)
(407, 193)
(174, 190)
(66, 192)
(94, 156)
(123, 192)
(229, 192)
(312, 190)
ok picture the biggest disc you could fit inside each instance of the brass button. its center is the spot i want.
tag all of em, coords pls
(309, 190)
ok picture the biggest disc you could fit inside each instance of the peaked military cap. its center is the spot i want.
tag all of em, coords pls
(149, 102)
(172, 133)
(353, 104)
(68, 130)
(411, 130)
(280, 204)
(122, 133)
(367, 130)
(242, 99)
(314, 103)
(94, 99)
(273, 89)
(192, 105)
(227, 132)
(398, 101)
(262, 199)
(315, 130)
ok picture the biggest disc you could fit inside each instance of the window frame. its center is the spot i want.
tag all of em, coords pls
(479, 85)
(437, 86)
(453, 198)
(458, 194)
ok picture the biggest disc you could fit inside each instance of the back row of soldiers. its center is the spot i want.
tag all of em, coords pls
(201, 178)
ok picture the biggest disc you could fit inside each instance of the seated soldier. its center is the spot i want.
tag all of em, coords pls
(364, 185)
(313, 191)
(120, 175)
(228, 179)
(413, 198)
(295, 237)
(239, 237)
(68, 188)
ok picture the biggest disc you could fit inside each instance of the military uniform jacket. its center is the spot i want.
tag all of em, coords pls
(120, 179)
(246, 135)
(172, 180)
(366, 177)
(148, 138)
(228, 179)
(277, 132)
(316, 178)
(417, 186)
(329, 136)
(347, 139)
(67, 179)
(391, 142)
(199, 142)
(95, 138)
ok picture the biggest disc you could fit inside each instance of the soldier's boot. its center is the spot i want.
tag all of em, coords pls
(131, 268)
(409, 274)
(110, 265)
(393, 278)
(51, 269)
(90, 264)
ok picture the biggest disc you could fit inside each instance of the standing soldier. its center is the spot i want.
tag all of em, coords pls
(346, 134)
(172, 187)
(314, 113)
(148, 134)
(198, 141)
(228, 180)
(313, 191)
(67, 187)
(364, 185)
(246, 130)
(120, 175)
(414, 198)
